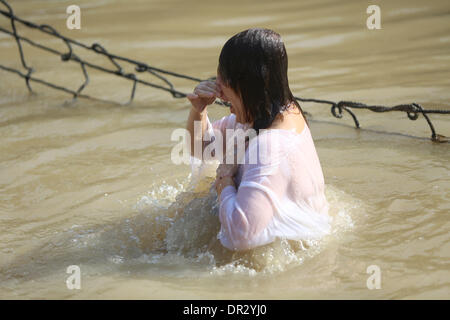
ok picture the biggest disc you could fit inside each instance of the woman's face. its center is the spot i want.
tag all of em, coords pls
(229, 95)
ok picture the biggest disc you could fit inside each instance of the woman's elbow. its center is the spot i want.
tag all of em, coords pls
(238, 232)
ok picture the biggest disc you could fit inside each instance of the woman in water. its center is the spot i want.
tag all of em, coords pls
(281, 195)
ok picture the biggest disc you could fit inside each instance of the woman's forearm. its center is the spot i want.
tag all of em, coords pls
(201, 117)
(204, 94)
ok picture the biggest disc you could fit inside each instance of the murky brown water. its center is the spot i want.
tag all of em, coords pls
(92, 184)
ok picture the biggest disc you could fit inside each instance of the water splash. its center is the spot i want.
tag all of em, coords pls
(174, 229)
(187, 228)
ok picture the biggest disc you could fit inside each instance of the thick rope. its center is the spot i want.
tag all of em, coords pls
(412, 109)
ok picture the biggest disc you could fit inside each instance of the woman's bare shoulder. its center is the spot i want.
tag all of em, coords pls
(291, 120)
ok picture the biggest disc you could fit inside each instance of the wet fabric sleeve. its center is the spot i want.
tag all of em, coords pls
(245, 212)
(226, 122)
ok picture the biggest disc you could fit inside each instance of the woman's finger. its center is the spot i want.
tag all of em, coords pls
(211, 85)
(205, 84)
(202, 93)
(206, 88)
(191, 96)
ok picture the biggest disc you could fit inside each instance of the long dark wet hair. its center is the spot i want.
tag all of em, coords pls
(254, 64)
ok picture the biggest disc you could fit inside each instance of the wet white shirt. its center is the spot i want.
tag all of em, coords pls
(280, 195)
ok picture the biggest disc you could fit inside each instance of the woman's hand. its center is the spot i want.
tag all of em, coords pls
(223, 182)
(204, 94)
(226, 170)
(224, 177)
